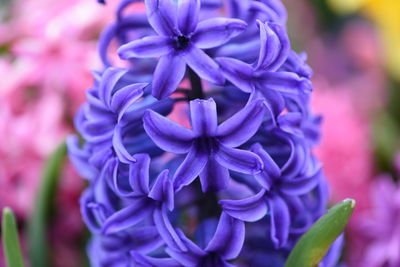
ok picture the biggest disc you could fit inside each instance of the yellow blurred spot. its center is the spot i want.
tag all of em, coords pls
(385, 14)
(345, 6)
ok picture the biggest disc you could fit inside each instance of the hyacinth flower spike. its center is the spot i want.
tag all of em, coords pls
(211, 149)
(280, 192)
(225, 245)
(180, 40)
(145, 201)
(264, 79)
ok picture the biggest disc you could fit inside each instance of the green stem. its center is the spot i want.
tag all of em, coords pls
(197, 88)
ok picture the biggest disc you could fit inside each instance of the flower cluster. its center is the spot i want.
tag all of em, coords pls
(206, 126)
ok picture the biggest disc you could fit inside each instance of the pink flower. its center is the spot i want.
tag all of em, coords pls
(47, 69)
(345, 151)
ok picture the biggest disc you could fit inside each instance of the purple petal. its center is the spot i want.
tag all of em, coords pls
(271, 170)
(190, 168)
(169, 73)
(214, 177)
(297, 63)
(134, 21)
(291, 122)
(108, 81)
(140, 260)
(280, 220)
(118, 183)
(274, 10)
(237, 8)
(211, 4)
(275, 46)
(163, 190)
(238, 160)
(298, 156)
(188, 11)
(204, 65)
(191, 257)
(128, 216)
(145, 239)
(93, 214)
(273, 100)
(97, 131)
(228, 238)
(237, 72)
(243, 125)
(249, 209)
(203, 114)
(299, 186)
(270, 10)
(125, 97)
(284, 82)
(162, 16)
(217, 31)
(119, 147)
(105, 40)
(79, 156)
(166, 134)
(139, 174)
(166, 230)
(150, 46)
(294, 203)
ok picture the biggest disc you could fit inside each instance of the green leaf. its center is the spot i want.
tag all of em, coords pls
(12, 249)
(37, 228)
(315, 243)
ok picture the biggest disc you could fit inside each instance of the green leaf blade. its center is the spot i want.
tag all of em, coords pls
(315, 243)
(12, 248)
(37, 228)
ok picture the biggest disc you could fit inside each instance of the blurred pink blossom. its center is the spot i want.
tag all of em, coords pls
(51, 48)
(47, 69)
(345, 151)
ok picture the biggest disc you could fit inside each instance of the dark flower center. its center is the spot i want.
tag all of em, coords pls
(182, 42)
(207, 144)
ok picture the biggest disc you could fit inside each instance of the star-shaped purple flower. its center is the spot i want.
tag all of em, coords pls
(211, 149)
(265, 78)
(180, 40)
(281, 188)
(144, 201)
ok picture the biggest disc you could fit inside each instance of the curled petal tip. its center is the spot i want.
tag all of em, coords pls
(306, 85)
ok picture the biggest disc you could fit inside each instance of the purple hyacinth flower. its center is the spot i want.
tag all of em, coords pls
(180, 40)
(102, 117)
(211, 149)
(144, 201)
(225, 245)
(281, 189)
(264, 80)
(142, 168)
